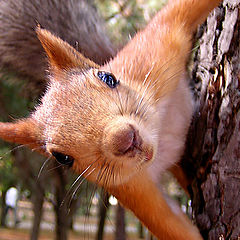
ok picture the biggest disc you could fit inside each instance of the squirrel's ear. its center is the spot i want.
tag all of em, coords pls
(23, 131)
(61, 55)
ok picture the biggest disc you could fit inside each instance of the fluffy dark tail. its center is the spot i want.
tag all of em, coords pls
(77, 22)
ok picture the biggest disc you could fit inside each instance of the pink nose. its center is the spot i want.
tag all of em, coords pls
(126, 140)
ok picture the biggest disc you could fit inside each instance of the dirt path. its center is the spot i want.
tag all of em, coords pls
(18, 234)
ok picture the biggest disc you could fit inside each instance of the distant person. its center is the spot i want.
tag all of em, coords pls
(11, 203)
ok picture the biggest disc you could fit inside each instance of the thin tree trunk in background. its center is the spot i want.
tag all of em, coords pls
(60, 207)
(102, 213)
(120, 233)
(27, 162)
(140, 230)
(212, 157)
(149, 236)
(38, 199)
(74, 205)
(3, 207)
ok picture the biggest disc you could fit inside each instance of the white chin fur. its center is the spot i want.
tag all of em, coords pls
(176, 113)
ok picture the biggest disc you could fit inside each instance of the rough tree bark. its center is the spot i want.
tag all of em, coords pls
(212, 157)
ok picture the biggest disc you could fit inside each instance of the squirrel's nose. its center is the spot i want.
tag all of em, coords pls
(126, 140)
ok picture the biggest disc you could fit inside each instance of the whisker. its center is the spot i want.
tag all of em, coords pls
(76, 180)
(105, 176)
(145, 79)
(112, 172)
(144, 108)
(59, 166)
(105, 173)
(100, 173)
(163, 72)
(148, 90)
(120, 101)
(13, 149)
(142, 97)
(108, 175)
(104, 197)
(119, 107)
(127, 99)
(37, 148)
(98, 179)
(42, 167)
(149, 87)
(178, 72)
(93, 192)
(80, 183)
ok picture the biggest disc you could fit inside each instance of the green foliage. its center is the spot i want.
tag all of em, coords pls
(124, 18)
(13, 97)
(14, 104)
(7, 170)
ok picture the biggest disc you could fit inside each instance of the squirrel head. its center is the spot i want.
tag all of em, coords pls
(94, 119)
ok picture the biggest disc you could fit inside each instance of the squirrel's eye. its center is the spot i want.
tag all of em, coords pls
(63, 159)
(108, 78)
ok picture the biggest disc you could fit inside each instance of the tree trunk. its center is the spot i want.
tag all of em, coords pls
(74, 205)
(3, 207)
(61, 212)
(120, 233)
(102, 213)
(140, 230)
(38, 199)
(212, 157)
(27, 173)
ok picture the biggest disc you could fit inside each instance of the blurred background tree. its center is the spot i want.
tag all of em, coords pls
(124, 18)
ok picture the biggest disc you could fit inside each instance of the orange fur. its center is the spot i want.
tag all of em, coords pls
(123, 137)
(22, 132)
(156, 215)
(60, 54)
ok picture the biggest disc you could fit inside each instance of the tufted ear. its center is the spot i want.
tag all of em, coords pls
(23, 131)
(60, 54)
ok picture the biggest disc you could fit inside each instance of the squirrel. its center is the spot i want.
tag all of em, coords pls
(122, 123)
